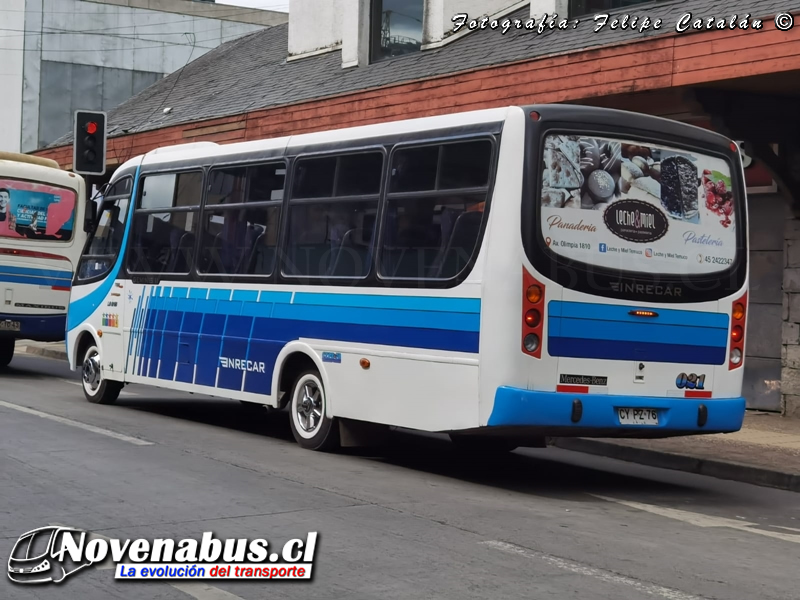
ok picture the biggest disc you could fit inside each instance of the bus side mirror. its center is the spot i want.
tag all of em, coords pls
(90, 217)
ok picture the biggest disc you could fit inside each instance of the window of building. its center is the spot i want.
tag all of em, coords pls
(434, 209)
(241, 220)
(106, 241)
(165, 223)
(578, 8)
(332, 212)
(396, 27)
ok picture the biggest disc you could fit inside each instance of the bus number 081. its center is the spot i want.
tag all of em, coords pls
(690, 381)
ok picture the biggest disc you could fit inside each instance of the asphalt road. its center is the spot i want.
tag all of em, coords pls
(415, 519)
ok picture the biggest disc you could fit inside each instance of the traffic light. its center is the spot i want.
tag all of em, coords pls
(89, 143)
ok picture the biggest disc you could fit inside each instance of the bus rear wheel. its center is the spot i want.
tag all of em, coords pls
(311, 427)
(96, 388)
(7, 346)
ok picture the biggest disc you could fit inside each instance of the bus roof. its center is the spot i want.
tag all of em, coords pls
(180, 152)
(27, 158)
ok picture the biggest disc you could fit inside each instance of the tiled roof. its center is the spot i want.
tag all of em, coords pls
(252, 73)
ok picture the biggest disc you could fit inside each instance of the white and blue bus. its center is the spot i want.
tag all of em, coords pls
(40, 245)
(500, 275)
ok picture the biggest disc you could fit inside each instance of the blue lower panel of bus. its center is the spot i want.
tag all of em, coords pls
(518, 407)
(230, 339)
(610, 332)
(45, 328)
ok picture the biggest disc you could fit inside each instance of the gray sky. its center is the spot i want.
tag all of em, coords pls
(281, 5)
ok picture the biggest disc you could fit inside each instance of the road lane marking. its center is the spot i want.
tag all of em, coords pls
(579, 569)
(703, 520)
(78, 424)
(197, 590)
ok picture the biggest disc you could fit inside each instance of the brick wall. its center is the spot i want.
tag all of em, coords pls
(790, 351)
(650, 70)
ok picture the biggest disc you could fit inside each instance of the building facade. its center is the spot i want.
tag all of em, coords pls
(729, 66)
(57, 56)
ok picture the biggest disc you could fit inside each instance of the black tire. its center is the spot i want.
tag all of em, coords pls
(7, 346)
(476, 443)
(311, 428)
(96, 388)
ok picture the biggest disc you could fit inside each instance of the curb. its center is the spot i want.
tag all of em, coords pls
(682, 462)
(46, 352)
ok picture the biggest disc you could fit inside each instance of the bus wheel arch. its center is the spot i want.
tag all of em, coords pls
(96, 388)
(85, 340)
(305, 393)
(290, 364)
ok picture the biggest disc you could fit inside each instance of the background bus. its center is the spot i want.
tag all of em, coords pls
(41, 239)
(500, 275)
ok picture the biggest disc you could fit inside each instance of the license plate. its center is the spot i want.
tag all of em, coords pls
(638, 416)
(9, 325)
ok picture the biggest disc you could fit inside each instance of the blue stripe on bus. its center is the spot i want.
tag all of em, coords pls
(592, 329)
(644, 351)
(378, 316)
(432, 304)
(246, 295)
(134, 324)
(46, 281)
(187, 347)
(256, 327)
(54, 273)
(615, 312)
(609, 332)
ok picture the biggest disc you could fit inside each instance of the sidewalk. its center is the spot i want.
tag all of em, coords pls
(55, 350)
(765, 452)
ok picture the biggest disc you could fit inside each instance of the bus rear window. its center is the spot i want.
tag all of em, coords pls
(36, 211)
(637, 207)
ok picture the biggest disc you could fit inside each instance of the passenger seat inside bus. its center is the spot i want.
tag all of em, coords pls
(352, 257)
(459, 247)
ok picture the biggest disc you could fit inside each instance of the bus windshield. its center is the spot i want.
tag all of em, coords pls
(36, 210)
(639, 207)
(106, 240)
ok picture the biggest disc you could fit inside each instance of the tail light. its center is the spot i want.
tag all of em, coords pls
(738, 323)
(532, 315)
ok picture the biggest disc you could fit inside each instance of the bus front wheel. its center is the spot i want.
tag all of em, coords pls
(96, 388)
(311, 427)
(7, 346)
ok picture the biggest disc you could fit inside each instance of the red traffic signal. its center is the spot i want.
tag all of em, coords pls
(89, 142)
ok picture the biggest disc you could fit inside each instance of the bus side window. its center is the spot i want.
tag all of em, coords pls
(434, 209)
(241, 220)
(331, 215)
(165, 223)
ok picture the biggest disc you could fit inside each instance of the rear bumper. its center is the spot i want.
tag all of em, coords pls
(44, 328)
(553, 413)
